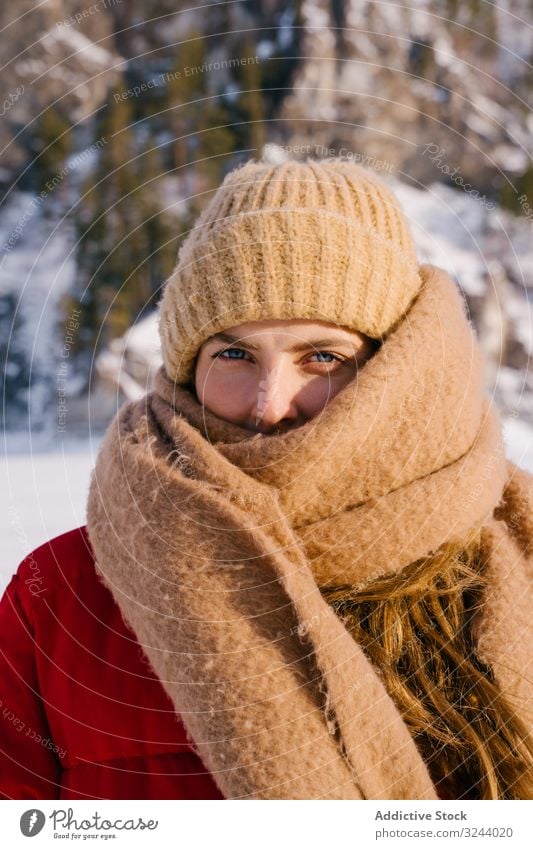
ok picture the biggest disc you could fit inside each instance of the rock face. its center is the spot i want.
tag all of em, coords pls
(388, 80)
(432, 95)
(70, 64)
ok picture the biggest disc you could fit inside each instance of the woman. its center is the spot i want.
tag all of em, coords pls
(309, 524)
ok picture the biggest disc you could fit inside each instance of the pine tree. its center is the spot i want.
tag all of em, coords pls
(186, 86)
(54, 134)
(519, 187)
(126, 248)
(251, 101)
(13, 361)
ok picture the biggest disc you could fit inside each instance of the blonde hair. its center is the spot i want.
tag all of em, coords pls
(415, 627)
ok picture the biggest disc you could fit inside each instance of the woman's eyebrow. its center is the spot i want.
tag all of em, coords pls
(330, 341)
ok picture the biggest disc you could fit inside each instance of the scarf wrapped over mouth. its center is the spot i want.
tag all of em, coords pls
(215, 543)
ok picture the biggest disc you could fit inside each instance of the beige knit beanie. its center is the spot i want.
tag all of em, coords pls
(323, 240)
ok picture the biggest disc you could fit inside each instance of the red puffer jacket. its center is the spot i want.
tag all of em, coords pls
(82, 716)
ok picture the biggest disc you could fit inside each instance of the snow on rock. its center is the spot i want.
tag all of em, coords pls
(130, 362)
(518, 440)
(80, 46)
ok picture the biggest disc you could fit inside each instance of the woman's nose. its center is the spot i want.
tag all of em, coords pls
(274, 401)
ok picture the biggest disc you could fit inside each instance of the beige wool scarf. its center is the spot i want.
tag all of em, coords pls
(215, 542)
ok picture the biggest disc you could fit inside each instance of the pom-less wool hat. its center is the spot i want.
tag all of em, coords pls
(322, 240)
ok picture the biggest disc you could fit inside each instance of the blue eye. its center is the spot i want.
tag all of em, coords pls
(240, 354)
(229, 351)
(326, 354)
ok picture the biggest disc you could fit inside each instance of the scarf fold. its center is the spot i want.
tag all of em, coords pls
(215, 543)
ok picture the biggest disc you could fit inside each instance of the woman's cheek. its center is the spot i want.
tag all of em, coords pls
(317, 391)
(233, 392)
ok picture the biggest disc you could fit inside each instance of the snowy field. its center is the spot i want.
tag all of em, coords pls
(44, 492)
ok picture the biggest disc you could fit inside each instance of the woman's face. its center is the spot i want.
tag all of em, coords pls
(272, 376)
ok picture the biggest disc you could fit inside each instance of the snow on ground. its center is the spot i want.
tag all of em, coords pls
(45, 491)
(43, 494)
